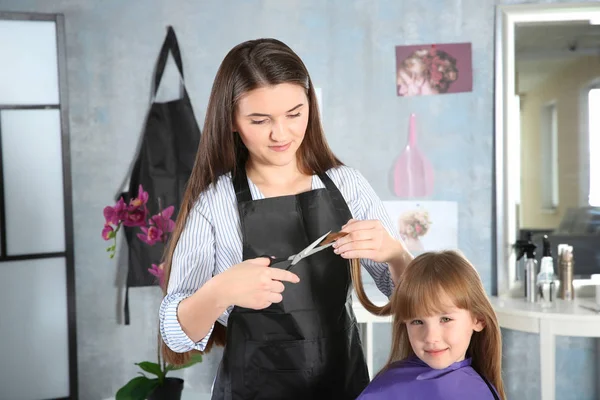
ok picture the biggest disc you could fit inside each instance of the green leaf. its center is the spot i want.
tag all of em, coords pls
(151, 367)
(137, 389)
(196, 358)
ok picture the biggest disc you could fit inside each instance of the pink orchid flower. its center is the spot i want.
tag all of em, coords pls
(163, 220)
(107, 232)
(140, 200)
(114, 215)
(159, 272)
(136, 217)
(151, 235)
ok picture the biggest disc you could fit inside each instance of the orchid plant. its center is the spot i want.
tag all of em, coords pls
(154, 229)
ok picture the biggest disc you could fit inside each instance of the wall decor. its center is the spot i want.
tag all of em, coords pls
(425, 225)
(430, 69)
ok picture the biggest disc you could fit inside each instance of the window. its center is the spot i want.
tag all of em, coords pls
(549, 157)
(594, 146)
(36, 232)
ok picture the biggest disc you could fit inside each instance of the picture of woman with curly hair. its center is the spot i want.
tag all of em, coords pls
(433, 69)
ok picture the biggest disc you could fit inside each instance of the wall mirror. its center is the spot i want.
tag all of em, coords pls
(547, 127)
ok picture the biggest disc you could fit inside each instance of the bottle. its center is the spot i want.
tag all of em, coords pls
(565, 271)
(413, 172)
(546, 278)
(526, 247)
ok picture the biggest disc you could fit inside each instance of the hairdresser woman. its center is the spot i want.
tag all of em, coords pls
(266, 183)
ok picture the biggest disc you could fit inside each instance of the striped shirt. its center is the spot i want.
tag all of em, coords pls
(211, 242)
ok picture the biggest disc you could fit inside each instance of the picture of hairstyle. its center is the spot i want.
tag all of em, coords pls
(433, 69)
(414, 223)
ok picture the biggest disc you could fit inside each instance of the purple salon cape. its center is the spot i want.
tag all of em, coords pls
(414, 379)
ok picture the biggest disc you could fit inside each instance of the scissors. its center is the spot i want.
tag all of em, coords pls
(325, 241)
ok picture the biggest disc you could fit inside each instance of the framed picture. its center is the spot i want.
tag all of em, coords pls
(431, 69)
(425, 225)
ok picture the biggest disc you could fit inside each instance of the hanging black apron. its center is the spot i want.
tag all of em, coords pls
(307, 346)
(163, 166)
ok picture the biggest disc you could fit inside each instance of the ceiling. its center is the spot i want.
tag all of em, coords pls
(542, 49)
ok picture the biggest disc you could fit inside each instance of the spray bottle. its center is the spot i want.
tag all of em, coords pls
(526, 247)
(546, 279)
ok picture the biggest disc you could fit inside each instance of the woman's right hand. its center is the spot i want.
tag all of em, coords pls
(252, 284)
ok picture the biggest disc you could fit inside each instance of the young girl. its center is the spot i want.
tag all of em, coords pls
(446, 340)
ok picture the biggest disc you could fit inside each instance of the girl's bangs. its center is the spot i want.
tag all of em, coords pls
(428, 295)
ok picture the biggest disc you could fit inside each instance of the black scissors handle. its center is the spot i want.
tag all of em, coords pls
(278, 262)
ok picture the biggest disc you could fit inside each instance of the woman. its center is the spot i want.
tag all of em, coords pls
(266, 183)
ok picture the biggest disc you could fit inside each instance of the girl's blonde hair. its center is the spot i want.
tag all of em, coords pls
(418, 295)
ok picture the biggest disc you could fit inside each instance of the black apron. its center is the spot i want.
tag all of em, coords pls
(307, 346)
(163, 166)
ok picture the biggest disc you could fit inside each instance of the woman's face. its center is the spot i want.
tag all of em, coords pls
(272, 122)
(408, 83)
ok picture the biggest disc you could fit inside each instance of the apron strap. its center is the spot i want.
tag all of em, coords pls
(126, 315)
(328, 182)
(240, 184)
(169, 45)
(336, 197)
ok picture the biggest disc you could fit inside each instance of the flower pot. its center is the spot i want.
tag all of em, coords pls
(170, 390)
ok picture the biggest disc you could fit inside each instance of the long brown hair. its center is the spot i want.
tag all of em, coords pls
(248, 66)
(417, 295)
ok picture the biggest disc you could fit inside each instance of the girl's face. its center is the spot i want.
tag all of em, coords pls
(442, 339)
(272, 122)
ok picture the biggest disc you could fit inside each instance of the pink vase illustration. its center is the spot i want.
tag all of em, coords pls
(413, 172)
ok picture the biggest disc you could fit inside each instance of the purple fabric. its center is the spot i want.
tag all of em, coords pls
(413, 379)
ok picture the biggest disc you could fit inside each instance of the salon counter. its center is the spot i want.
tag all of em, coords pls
(563, 318)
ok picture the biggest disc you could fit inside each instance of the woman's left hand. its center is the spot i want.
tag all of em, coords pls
(367, 239)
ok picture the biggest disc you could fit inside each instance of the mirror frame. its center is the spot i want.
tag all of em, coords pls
(507, 160)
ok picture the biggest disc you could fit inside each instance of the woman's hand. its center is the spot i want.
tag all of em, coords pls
(368, 239)
(252, 284)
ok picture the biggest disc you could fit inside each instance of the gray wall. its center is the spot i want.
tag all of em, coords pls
(348, 46)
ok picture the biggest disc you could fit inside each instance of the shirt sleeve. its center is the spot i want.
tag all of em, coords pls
(193, 264)
(366, 205)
